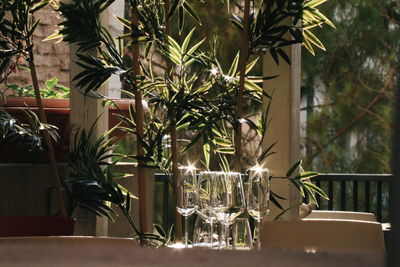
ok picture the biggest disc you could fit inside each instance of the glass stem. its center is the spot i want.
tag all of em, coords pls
(257, 233)
(186, 231)
(227, 235)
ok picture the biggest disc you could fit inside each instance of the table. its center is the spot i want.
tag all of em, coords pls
(92, 251)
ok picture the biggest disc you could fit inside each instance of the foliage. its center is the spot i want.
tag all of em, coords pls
(13, 131)
(196, 94)
(16, 32)
(52, 90)
(350, 89)
(93, 185)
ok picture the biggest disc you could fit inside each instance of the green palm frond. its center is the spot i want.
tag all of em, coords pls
(13, 131)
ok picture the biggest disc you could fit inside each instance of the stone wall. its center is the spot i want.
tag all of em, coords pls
(51, 58)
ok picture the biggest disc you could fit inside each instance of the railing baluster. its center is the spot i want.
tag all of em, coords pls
(358, 180)
(379, 201)
(318, 183)
(355, 195)
(343, 195)
(367, 197)
(330, 195)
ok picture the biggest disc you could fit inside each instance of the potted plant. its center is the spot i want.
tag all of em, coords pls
(195, 93)
(57, 108)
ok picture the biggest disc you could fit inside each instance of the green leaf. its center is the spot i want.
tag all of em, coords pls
(222, 141)
(265, 153)
(32, 29)
(225, 150)
(181, 19)
(306, 175)
(293, 168)
(234, 65)
(206, 152)
(250, 66)
(186, 41)
(50, 84)
(173, 9)
(193, 49)
(38, 6)
(308, 35)
(189, 9)
(316, 189)
(124, 22)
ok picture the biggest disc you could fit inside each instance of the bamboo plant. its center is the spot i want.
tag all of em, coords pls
(195, 94)
(17, 25)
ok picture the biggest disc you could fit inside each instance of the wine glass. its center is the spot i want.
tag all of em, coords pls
(227, 199)
(186, 195)
(258, 198)
(242, 239)
(205, 234)
(204, 191)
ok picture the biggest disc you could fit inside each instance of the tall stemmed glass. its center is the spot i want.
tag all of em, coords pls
(204, 192)
(186, 195)
(227, 199)
(258, 198)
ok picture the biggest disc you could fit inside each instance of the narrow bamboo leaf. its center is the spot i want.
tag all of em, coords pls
(126, 23)
(148, 48)
(193, 49)
(234, 65)
(38, 6)
(206, 152)
(293, 168)
(275, 201)
(306, 175)
(181, 19)
(225, 150)
(173, 9)
(189, 9)
(33, 28)
(265, 153)
(222, 141)
(186, 41)
(316, 189)
(283, 54)
(314, 3)
(313, 39)
(250, 66)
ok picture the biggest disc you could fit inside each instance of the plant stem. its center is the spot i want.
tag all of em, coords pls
(139, 117)
(174, 144)
(239, 99)
(47, 139)
(175, 173)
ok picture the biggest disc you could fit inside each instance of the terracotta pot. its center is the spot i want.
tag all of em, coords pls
(13, 226)
(57, 113)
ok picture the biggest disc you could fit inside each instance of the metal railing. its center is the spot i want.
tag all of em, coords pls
(351, 192)
(355, 192)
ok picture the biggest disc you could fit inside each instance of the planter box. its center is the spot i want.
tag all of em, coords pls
(27, 190)
(14, 226)
(57, 113)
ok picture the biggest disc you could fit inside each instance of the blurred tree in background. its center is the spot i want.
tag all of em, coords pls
(350, 89)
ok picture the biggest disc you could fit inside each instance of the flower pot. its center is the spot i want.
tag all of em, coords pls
(13, 226)
(58, 114)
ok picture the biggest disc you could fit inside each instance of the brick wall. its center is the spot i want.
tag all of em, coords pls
(51, 58)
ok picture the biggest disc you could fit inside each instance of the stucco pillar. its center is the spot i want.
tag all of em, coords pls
(284, 127)
(84, 112)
